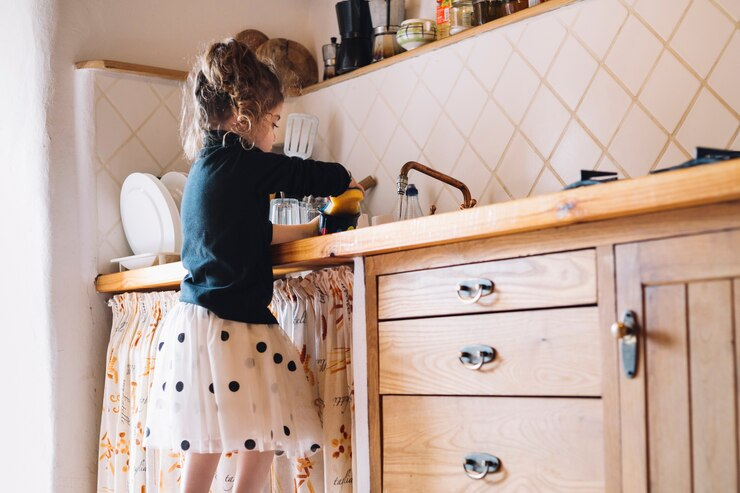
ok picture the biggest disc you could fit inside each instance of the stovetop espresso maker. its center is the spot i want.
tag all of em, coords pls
(356, 30)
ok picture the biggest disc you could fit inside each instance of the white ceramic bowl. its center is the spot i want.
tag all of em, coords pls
(416, 32)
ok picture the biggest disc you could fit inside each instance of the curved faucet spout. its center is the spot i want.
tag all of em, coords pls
(403, 180)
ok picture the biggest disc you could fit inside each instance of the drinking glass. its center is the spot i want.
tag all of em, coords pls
(285, 211)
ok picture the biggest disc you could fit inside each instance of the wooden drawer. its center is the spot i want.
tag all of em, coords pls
(558, 279)
(542, 352)
(548, 445)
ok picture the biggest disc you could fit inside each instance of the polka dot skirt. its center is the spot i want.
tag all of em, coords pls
(224, 386)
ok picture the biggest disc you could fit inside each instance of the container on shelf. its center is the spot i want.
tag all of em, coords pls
(461, 16)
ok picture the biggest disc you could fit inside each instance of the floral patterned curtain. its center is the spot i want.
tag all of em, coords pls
(315, 311)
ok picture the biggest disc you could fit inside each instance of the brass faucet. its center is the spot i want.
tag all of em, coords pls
(403, 181)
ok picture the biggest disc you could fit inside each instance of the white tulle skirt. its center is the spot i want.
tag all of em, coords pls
(225, 386)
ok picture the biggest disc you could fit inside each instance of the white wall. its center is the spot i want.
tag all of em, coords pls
(55, 326)
(26, 414)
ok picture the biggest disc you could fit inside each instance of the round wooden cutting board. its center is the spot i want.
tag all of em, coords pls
(252, 38)
(295, 65)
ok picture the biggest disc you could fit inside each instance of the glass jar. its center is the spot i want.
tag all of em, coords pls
(507, 7)
(483, 11)
(461, 16)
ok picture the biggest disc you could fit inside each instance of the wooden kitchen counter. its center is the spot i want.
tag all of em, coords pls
(702, 185)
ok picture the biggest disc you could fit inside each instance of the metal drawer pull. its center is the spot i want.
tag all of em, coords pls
(471, 290)
(478, 465)
(473, 357)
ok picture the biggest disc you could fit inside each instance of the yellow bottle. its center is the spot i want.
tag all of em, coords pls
(443, 18)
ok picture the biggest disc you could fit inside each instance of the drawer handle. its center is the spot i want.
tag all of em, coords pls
(473, 357)
(471, 290)
(478, 465)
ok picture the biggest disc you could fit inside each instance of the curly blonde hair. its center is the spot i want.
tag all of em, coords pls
(227, 80)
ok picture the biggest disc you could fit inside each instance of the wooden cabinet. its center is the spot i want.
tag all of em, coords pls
(679, 414)
(555, 406)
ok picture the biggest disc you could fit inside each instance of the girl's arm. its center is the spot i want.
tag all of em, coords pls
(282, 233)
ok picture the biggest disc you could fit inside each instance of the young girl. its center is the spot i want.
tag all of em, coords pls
(227, 379)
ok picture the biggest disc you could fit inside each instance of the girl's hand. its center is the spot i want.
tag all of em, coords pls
(282, 233)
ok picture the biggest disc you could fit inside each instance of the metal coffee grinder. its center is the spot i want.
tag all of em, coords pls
(329, 52)
(387, 16)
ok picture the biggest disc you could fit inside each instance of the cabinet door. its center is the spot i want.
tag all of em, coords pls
(679, 413)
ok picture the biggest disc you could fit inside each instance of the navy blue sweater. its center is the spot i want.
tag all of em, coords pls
(226, 229)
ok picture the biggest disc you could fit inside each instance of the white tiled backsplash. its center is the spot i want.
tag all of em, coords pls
(622, 85)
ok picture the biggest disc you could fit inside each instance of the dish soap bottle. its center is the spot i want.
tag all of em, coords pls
(412, 207)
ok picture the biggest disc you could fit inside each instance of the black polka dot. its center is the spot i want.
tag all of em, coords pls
(179, 386)
(291, 366)
(160, 345)
(233, 386)
(286, 430)
(148, 432)
(277, 358)
(261, 347)
(164, 385)
(210, 388)
(315, 447)
(185, 445)
(250, 444)
(224, 335)
(181, 337)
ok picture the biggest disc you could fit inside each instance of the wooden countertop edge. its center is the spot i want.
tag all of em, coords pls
(677, 189)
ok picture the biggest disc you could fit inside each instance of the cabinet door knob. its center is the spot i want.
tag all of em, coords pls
(471, 290)
(473, 357)
(478, 465)
(626, 331)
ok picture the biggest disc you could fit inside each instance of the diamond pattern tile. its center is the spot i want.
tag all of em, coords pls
(661, 15)
(512, 112)
(444, 145)
(637, 143)
(696, 132)
(358, 99)
(725, 78)
(520, 168)
(133, 100)
(701, 36)
(604, 106)
(379, 127)
(598, 23)
(669, 106)
(516, 87)
(545, 121)
(491, 134)
(466, 102)
(572, 71)
(633, 38)
(576, 151)
(440, 74)
(421, 114)
(540, 42)
(488, 57)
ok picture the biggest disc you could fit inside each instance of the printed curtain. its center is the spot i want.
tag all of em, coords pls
(315, 311)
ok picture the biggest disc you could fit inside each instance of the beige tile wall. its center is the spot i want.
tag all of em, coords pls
(136, 129)
(625, 85)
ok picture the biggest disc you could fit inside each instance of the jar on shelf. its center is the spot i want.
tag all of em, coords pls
(483, 11)
(461, 16)
(508, 7)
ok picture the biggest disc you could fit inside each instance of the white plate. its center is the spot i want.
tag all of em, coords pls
(149, 215)
(175, 181)
(146, 260)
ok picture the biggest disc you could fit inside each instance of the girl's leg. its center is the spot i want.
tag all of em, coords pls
(198, 472)
(252, 471)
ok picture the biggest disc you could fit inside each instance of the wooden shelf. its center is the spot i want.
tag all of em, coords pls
(436, 45)
(132, 69)
(149, 71)
(691, 187)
